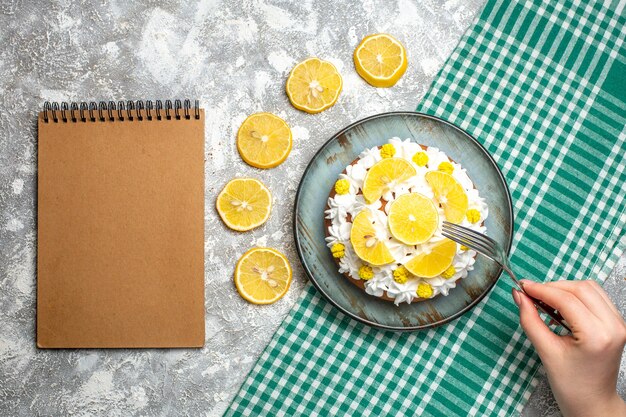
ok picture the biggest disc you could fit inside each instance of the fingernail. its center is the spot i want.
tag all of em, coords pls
(516, 297)
(525, 282)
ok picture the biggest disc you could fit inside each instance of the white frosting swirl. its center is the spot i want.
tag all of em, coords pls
(350, 204)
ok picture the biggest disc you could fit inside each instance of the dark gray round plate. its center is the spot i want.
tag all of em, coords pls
(320, 176)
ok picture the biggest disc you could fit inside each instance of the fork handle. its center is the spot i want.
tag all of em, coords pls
(550, 311)
(546, 308)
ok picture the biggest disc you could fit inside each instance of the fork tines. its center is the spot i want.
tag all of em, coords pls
(470, 238)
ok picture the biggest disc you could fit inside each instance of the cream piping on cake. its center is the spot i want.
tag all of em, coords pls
(351, 203)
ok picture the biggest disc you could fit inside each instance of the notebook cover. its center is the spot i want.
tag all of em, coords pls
(120, 258)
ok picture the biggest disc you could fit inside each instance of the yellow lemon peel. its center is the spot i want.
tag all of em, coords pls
(432, 264)
(450, 195)
(264, 140)
(262, 275)
(413, 218)
(244, 203)
(365, 243)
(313, 85)
(384, 175)
(380, 59)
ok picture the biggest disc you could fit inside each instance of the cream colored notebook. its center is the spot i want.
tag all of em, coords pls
(120, 260)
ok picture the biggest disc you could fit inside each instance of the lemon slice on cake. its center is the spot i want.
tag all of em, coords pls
(262, 275)
(264, 140)
(384, 175)
(433, 263)
(380, 59)
(366, 244)
(450, 195)
(413, 218)
(314, 85)
(244, 203)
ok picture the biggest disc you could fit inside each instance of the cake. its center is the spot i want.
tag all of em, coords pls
(384, 216)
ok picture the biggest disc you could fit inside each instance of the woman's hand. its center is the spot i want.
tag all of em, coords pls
(582, 367)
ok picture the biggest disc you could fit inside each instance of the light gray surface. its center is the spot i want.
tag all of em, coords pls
(234, 57)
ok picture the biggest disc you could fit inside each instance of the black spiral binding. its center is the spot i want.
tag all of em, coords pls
(102, 111)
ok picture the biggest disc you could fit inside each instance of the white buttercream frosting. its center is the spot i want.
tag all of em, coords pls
(343, 207)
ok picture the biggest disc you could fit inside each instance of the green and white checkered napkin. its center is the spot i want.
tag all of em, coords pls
(543, 86)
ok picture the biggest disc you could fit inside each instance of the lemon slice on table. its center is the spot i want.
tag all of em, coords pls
(450, 195)
(244, 204)
(264, 140)
(413, 218)
(365, 243)
(380, 59)
(262, 275)
(313, 85)
(429, 265)
(384, 175)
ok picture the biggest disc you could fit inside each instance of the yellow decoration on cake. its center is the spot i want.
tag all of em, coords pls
(450, 195)
(384, 175)
(446, 167)
(420, 158)
(400, 275)
(366, 244)
(424, 290)
(342, 186)
(449, 273)
(473, 215)
(366, 273)
(464, 248)
(387, 151)
(338, 250)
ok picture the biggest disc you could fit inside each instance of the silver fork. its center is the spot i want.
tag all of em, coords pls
(488, 247)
